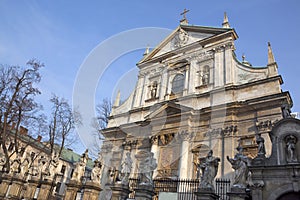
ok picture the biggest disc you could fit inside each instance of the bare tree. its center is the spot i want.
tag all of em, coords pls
(103, 111)
(99, 123)
(17, 92)
(62, 123)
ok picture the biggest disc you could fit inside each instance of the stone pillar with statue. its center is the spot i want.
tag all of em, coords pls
(147, 164)
(120, 189)
(92, 188)
(75, 183)
(209, 168)
(241, 173)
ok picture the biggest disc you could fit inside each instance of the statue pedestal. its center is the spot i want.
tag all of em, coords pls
(16, 187)
(31, 188)
(45, 188)
(6, 179)
(259, 160)
(206, 194)
(119, 191)
(144, 192)
(72, 188)
(238, 194)
(91, 191)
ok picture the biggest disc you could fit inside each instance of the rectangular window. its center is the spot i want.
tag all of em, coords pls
(63, 169)
(58, 185)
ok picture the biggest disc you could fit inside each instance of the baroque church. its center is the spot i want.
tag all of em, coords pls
(194, 95)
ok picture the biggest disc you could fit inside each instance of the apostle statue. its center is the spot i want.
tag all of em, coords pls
(96, 172)
(112, 176)
(146, 168)
(53, 163)
(80, 167)
(126, 169)
(15, 165)
(209, 169)
(26, 164)
(240, 165)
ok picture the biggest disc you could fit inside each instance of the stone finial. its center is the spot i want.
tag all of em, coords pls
(225, 23)
(147, 50)
(117, 100)
(271, 58)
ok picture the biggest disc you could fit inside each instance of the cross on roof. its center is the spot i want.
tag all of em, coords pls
(184, 13)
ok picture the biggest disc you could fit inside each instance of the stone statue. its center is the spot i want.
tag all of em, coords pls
(146, 167)
(240, 165)
(286, 113)
(199, 166)
(53, 163)
(2, 162)
(205, 77)
(291, 148)
(112, 175)
(126, 169)
(153, 90)
(80, 167)
(15, 165)
(96, 172)
(209, 171)
(2, 159)
(26, 164)
(261, 151)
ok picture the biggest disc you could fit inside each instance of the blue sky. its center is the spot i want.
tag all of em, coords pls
(62, 34)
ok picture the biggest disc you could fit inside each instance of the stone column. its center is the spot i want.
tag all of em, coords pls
(72, 188)
(6, 179)
(144, 192)
(184, 154)
(119, 191)
(45, 189)
(91, 191)
(206, 194)
(16, 187)
(238, 194)
(154, 150)
(31, 188)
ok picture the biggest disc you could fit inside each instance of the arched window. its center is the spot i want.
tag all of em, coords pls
(178, 84)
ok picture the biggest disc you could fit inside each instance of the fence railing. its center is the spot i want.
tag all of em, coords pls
(185, 188)
(222, 187)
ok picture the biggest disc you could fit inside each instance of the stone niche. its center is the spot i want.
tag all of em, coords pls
(285, 137)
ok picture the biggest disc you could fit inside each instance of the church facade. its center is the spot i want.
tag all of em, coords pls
(194, 95)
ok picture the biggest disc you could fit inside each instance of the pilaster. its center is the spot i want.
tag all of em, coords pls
(31, 188)
(119, 191)
(6, 179)
(72, 188)
(144, 192)
(91, 191)
(45, 189)
(16, 187)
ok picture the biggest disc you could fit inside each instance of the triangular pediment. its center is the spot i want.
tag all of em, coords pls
(167, 109)
(182, 36)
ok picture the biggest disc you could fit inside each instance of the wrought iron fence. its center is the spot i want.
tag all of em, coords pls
(185, 188)
(222, 187)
